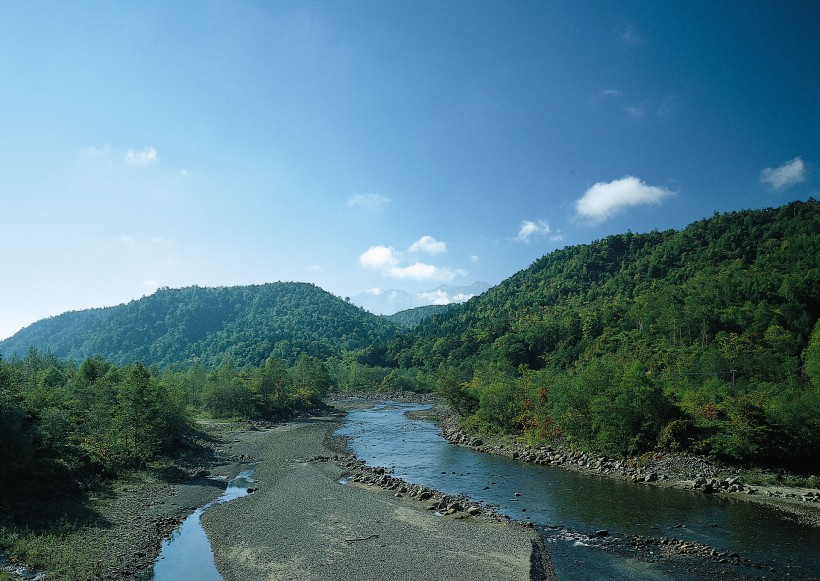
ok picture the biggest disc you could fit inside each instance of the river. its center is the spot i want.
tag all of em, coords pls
(187, 554)
(568, 507)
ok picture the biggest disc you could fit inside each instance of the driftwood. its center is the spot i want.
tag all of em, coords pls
(362, 539)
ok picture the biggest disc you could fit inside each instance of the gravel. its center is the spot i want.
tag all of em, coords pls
(302, 523)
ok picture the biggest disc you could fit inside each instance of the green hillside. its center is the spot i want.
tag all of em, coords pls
(409, 318)
(208, 325)
(704, 338)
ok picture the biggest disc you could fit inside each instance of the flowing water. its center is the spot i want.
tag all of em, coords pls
(571, 506)
(187, 554)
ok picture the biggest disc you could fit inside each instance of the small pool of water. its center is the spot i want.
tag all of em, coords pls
(187, 554)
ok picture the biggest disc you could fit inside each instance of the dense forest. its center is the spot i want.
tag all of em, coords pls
(245, 324)
(68, 427)
(409, 318)
(703, 339)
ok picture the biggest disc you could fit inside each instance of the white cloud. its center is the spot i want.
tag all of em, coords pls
(145, 157)
(474, 258)
(370, 201)
(612, 93)
(388, 261)
(379, 257)
(435, 297)
(152, 283)
(429, 245)
(530, 230)
(417, 271)
(375, 291)
(790, 173)
(442, 297)
(606, 199)
(315, 268)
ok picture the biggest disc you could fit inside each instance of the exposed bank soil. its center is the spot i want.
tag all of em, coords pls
(682, 471)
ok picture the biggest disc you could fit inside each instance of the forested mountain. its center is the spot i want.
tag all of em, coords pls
(704, 338)
(208, 325)
(412, 317)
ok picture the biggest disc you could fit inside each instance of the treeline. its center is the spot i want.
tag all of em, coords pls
(704, 339)
(64, 426)
(209, 326)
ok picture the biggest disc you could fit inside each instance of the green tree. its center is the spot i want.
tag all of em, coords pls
(138, 417)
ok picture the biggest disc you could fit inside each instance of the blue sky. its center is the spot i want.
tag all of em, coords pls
(379, 145)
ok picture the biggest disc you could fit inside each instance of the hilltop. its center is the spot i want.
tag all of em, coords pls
(208, 325)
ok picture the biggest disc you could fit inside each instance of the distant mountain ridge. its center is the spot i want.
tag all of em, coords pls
(412, 317)
(208, 325)
(390, 302)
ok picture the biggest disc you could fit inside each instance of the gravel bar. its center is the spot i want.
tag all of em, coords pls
(302, 523)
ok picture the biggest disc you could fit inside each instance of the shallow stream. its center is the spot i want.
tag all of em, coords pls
(571, 506)
(187, 554)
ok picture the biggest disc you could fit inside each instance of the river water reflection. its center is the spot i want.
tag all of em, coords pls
(384, 436)
(187, 554)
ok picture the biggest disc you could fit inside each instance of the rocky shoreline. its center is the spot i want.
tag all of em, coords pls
(683, 471)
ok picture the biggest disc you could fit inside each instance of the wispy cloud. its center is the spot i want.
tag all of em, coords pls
(539, 229)
(92, 152)
(429, 245)
(629, 34)
(606, 199)
(667, 107)
(389, 262)
(370, 201)
(635, 111)
(787, 174)
(145, 157)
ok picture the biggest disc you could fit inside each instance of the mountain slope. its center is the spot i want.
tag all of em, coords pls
(706, 339)
(245, 323)
(732, 273)
(412, 317)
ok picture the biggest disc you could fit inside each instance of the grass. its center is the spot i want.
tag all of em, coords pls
(761, 478)
(63, 548)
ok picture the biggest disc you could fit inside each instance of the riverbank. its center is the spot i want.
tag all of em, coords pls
(304, 523)
(300, 523)
(115, 531)
(681, 471)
